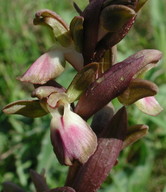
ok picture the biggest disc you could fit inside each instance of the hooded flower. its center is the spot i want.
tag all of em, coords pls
(51, 64)
(72, 138)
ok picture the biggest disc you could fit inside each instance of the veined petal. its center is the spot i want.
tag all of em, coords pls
(71, 136)
(46, 67)
(149, 105)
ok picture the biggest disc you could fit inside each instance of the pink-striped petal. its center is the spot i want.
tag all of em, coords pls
(72, 138)
(46, 67)
(149, 105)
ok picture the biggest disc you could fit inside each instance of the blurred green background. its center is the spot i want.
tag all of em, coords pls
(25, 143)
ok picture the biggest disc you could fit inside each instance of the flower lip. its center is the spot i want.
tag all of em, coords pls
(72, 138)
(149, 105)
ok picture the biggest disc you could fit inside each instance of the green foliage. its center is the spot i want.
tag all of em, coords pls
(25, 143)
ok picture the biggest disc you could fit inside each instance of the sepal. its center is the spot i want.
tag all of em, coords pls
(27, 108)
(137, 89)
(113, 17)
(76, 29)
(54, 21)
(135, 133)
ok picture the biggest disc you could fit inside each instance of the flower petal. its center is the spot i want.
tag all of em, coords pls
(149, 105)
(46, 67)
(72, 137)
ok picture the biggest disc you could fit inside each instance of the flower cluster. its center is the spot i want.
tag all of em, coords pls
(89, 45)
